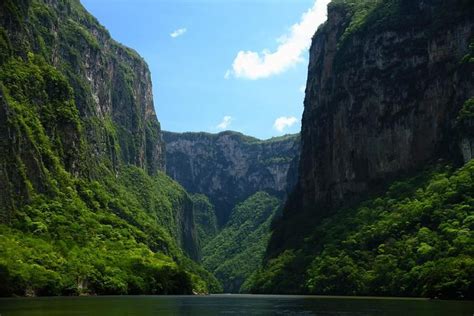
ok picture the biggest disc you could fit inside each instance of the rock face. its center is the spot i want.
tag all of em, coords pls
(229, 167)
(385, 85)
(90, 96)
(112, 83)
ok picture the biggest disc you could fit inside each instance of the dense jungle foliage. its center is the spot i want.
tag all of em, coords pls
(204, 218)
(415, 240)
(238, 248)
(72, 220)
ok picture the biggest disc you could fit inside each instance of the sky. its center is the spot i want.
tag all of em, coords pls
(220, 64)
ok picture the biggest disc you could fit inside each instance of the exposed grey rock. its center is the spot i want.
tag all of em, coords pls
(381, 101)
(229, 167)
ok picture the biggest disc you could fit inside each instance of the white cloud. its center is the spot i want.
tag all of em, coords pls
(303, 89)
(283, 122)
(254, 65)
(178, 32)
(226, 121)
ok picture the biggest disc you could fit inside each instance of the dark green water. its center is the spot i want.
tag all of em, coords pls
(230, 305)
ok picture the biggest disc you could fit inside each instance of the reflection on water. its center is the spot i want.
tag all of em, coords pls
(230, 305)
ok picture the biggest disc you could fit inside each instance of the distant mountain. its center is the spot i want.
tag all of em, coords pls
(229, 167)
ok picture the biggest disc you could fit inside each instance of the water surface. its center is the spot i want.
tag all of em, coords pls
(230, 305)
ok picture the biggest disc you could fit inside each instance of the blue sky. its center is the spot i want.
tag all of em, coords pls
(220, 64)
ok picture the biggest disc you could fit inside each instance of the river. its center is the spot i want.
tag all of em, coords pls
(230, 305)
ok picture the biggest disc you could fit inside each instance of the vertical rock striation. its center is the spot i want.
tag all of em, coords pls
(111, 83)
(229, 167)
(384, 89)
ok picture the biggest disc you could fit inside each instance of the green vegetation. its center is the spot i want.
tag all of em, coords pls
(204, 219)
(364, 17)
(78, 213)
(99, 238)
(416, 240)
(465, 119)
(242, 137)
(42, 102)
(359, 10)
(84, 208)
(34, 266)
(282, 138)
(467, 111)
(237, 251)
(469, 58)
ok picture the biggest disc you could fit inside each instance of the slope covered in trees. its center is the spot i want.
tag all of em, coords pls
(238, 249)
(383, 204)
(84, 205)
(100, 238)
(415, 240)
(204, 218)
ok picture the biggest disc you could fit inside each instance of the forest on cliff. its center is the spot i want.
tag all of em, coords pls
(374, 197)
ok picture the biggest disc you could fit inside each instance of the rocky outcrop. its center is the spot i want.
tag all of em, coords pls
(385, 84)
(229, 167)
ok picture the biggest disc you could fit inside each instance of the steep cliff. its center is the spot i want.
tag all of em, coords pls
(386, 82)
(383, 94)
(81, 160)
(385, 99)
(229, 167)
(111, 83)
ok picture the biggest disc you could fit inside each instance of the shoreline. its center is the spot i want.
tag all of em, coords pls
(245, 296)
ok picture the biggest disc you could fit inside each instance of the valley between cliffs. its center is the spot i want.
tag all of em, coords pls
(374, 197)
